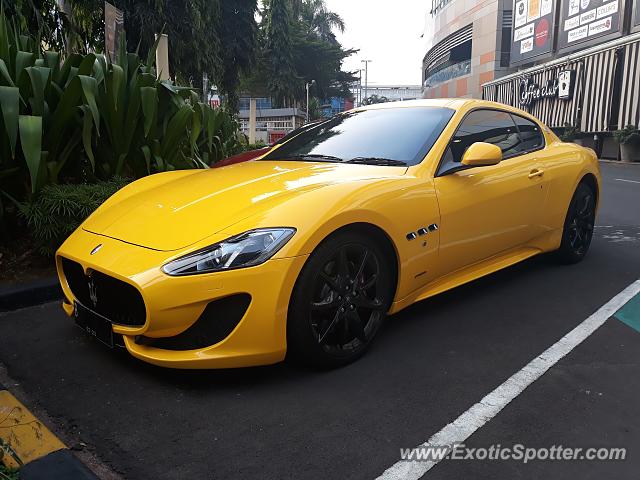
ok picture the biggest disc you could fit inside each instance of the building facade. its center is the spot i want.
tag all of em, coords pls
(587, 75)
(271, 123)
(568, 62)
(468, 46)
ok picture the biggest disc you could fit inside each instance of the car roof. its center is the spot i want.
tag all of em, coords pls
(453, 103)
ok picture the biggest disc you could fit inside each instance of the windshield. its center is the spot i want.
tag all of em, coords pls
(387, 136)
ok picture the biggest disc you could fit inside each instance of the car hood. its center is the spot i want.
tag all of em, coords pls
(189, 208)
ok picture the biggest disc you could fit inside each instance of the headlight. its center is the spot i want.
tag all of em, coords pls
(245, 250)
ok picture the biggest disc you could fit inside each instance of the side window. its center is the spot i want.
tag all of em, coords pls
(530, 134)
(490, 126)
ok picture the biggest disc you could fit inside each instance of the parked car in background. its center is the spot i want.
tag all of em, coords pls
(253, 154)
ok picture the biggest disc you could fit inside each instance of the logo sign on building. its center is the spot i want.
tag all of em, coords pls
(566, 84)
(533, 22)
(113, 29)
(584, 21)
(560, 87)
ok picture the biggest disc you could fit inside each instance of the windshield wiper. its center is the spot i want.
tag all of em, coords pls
(312, 157)
(377, 161)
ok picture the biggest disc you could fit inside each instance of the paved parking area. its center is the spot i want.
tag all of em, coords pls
(431, 363)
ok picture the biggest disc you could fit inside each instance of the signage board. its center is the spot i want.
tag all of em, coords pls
(532, 32)
(561, 87)
(586, 21)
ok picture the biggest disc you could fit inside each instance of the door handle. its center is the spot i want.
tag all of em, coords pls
(536, 172)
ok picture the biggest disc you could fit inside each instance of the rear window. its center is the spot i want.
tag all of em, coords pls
(403, 134)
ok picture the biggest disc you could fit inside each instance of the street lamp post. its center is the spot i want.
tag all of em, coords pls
(313, 82)
(366, 77)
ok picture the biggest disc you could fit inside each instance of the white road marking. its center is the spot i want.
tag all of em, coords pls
(625, 180)
(487, 408)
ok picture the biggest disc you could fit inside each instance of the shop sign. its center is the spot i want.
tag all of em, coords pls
(533, 27)
(584, 21)
(560, 87)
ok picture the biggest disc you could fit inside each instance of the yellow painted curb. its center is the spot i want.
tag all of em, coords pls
(23, 438)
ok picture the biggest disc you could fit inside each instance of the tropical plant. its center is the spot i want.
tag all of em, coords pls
(59, 209)
(627, 135)
(86, 118)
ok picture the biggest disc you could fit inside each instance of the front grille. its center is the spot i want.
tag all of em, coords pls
(216, 323)
(114, 299)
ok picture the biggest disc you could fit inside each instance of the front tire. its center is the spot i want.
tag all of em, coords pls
(578, 226)
(339, 301)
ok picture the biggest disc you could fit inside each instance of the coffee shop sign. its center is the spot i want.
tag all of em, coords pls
(559, 87)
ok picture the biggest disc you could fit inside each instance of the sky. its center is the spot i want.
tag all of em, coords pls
(386, 32)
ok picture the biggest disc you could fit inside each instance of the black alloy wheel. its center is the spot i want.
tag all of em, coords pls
(579, 225)
(340, 301)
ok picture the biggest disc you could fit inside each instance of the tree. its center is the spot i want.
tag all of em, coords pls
(282, 76)
(63, 25)
(315, 54)
(320, 60)
(192, 26)
(83, 25)
(239, 34)
(319, 20)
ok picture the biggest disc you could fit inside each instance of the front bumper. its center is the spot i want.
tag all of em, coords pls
(174, 304)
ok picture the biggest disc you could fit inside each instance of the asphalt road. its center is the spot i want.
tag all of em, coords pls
(430, 364)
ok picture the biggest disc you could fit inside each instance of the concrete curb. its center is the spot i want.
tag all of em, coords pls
(25, 443)
(618, 162)
(33, 293)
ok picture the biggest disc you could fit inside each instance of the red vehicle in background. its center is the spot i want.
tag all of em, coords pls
(241, 157)
(253, 154)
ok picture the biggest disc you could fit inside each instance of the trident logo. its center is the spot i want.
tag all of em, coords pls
(93, 293)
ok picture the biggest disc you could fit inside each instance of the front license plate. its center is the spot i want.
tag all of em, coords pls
(94, 324)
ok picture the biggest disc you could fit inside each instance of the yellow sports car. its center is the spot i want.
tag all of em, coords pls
(305, 251)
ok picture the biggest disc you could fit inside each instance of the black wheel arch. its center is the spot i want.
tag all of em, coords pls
(381, 238)
(590, 181)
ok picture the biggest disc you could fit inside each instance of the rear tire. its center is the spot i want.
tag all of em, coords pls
(339, 301)
(578, 226)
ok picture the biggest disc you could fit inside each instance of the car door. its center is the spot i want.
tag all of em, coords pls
(488, 210)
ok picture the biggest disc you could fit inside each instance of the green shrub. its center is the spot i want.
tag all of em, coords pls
(57, 210)
(78, 119)
(7, 473)
(570, 133)
(253, 146)
(629, 134)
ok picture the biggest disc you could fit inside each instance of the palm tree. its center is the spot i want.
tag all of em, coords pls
(318, 18)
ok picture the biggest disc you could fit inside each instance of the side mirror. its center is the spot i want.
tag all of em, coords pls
(482, 154)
